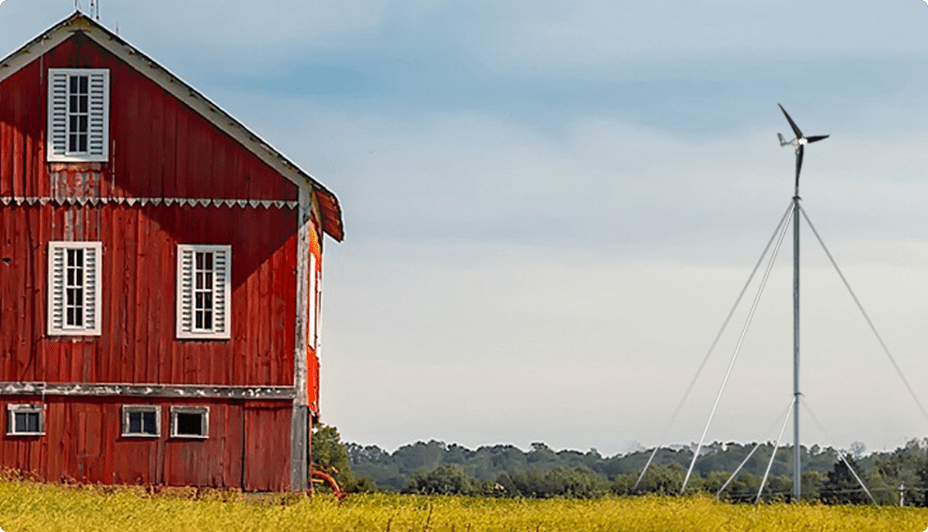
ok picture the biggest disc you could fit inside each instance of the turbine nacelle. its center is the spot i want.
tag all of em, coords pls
(795, 142)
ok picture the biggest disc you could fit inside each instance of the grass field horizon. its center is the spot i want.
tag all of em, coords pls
(28, 505)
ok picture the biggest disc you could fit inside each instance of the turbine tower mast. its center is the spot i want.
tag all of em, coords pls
(797, 469)
(799, 142)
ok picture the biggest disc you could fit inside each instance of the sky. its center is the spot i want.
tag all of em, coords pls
(551, 207)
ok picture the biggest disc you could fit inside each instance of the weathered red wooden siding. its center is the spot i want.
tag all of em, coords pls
(162, 148)
(138, 342)
(83, 442)
(159, 148)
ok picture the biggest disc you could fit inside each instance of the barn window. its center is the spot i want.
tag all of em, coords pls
(141, 420)
(73, 288)
(25, 420)
(204, 275)
(78, 114)
(189, 421)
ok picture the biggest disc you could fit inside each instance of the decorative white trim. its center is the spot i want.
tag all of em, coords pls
(13, 409)
(142, 202)
(221, 293)
(203, 411)
(301, 319)
(174, 391)
(58, 130)
(90, 306)
(128, 410)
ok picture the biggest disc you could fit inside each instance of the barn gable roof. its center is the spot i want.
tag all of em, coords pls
(78, 22)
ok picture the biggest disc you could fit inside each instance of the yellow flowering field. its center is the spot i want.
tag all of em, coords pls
(33, 506)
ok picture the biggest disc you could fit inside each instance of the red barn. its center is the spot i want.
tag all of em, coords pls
(159, 276)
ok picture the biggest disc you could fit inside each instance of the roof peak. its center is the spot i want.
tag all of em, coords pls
(79, 21)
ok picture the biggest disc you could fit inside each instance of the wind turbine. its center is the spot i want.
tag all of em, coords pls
(799, 142)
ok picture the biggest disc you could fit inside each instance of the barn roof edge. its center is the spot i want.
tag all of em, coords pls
(332, 222)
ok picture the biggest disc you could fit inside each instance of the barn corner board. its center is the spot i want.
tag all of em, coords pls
(159, 276)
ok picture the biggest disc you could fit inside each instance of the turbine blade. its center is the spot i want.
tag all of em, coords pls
(816, 138)
(791, 123)
(799, 152)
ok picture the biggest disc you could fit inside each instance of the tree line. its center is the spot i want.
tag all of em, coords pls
(436, 467)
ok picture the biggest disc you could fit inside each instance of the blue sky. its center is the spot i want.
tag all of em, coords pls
(551, 206)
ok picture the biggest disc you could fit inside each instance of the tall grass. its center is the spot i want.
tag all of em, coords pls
(26, 505)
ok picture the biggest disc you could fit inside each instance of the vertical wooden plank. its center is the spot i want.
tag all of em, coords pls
(155, 139)
(182, 145)
(130, 283)
(169, 145)
(55, 433)
(142, 293)
(161, 366)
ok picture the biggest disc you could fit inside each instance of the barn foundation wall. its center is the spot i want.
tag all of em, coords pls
(246, 444)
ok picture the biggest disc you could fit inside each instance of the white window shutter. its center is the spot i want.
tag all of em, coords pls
(91, 290)
(57, 133)
(184, 291)
(99, 115)
(55, 289)
(220, 290)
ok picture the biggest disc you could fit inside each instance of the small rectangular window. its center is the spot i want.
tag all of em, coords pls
(25, 420)
(141, 420)
(203, 291)
(189, 422)
(77, 113)
(74, 288)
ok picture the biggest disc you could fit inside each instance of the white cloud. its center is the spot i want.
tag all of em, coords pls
(479, 344)
(238, 36)
(613, 36)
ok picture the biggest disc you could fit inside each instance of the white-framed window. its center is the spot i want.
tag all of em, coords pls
(141, 421)
(74, 288)
(204, 286)
(25, 419)
(78, 114)
(189, 421)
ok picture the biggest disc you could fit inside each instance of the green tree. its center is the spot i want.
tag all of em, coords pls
(579, 482)
(540, 454)
(842, 486)
(813, 482)
(330, 456)
(668, 480)
(623, 482)
(443, 480)
(903, 468)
